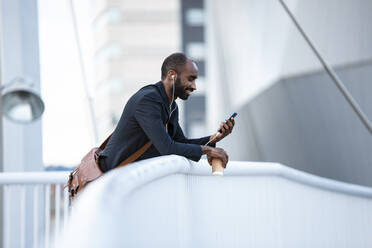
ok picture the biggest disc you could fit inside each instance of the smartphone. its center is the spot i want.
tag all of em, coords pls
(232, 116)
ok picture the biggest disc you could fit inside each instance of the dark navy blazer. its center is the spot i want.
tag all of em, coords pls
(143, 119)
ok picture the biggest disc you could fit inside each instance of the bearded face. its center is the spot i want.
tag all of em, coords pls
(180, 90)
(185, 82)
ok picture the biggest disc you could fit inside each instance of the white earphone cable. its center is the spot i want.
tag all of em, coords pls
(170, 106)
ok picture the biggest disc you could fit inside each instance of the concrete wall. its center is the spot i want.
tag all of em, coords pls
(288, 109)
(252, 44)
(1, 148)
(306, 123)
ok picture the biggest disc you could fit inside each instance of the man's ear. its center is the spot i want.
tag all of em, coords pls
(172, 75)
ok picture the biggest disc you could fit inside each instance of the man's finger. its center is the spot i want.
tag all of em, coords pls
(221, 127)
(226, 126)
(228, 130)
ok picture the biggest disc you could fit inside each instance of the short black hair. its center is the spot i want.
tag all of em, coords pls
(173, 62)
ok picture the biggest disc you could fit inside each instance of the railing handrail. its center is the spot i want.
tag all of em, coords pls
(240, 168)
(139, 173)
(58, 177)
(245, 168)
(252, 201)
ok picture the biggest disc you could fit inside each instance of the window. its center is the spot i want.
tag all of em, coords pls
(109, 17)
(194, 17)
(196, 50)
(108, 52)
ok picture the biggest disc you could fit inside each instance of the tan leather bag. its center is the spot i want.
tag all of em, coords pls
(88, 170)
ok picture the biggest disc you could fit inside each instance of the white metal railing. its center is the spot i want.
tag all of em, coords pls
(174, 202)
(39, 195)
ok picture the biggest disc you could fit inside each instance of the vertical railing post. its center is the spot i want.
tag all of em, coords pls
(47, 216)
(40, 184)
(65, 207)
(36, 215)
(22, 189)
(57, 201)
(6, 217)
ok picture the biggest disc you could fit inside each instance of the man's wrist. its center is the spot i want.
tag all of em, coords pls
(212, 140)
(206, 149)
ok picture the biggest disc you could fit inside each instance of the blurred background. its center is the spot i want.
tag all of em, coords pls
(86, 58)
(94, 55)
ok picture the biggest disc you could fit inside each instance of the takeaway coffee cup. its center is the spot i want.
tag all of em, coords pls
(217, 167)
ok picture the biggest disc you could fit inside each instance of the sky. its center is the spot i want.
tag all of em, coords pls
(67, 129)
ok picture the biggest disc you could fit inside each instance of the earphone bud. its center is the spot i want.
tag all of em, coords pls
(170, 106)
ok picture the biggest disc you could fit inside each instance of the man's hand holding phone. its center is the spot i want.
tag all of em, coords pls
(225, 129)
(218, 153)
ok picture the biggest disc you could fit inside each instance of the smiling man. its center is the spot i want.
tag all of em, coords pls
(149, 123)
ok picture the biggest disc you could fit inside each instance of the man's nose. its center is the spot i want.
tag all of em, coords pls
(193, 86)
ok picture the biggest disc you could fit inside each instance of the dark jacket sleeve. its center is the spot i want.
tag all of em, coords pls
(148, 116)
(180, 137)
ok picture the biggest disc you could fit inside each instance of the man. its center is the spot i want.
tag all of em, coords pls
(151, 114)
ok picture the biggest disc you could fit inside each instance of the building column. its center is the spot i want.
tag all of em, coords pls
(22, 147)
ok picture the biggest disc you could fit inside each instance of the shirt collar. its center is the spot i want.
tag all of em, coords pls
(163, 94)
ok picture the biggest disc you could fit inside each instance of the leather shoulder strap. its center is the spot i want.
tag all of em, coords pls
(103, 145)
(132, 157)
(135, 155)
